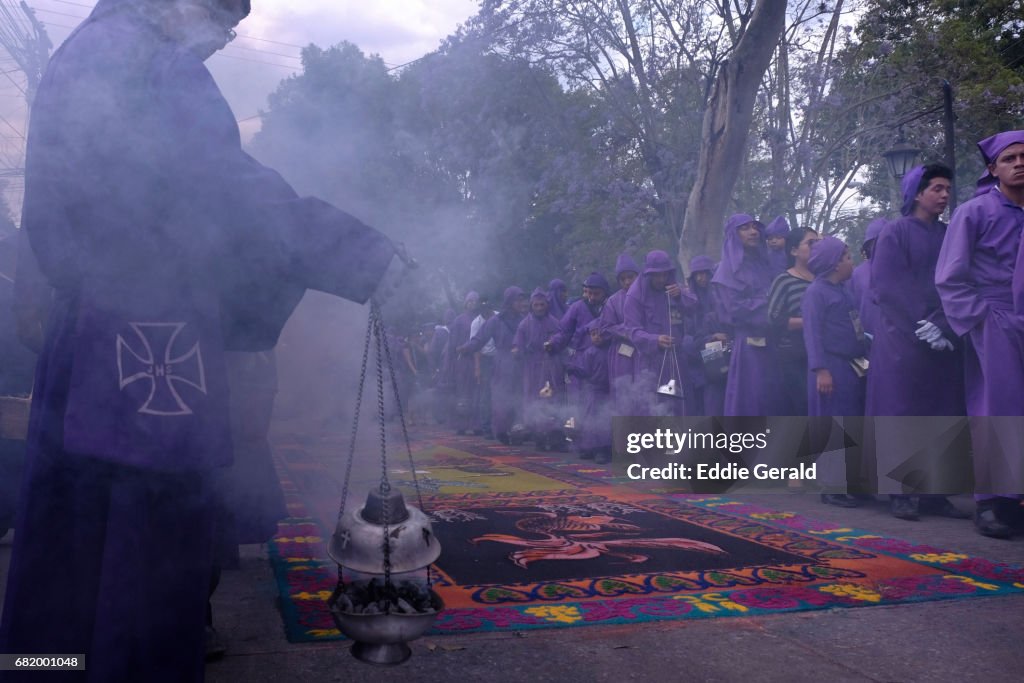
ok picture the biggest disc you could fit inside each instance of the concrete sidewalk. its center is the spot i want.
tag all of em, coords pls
(959, 640)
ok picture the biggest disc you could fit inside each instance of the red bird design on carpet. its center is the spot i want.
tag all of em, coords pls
(578, 537)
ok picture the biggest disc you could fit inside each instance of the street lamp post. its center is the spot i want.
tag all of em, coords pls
(900, 159)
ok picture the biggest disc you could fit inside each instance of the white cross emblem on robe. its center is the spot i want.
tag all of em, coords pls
(164, 373)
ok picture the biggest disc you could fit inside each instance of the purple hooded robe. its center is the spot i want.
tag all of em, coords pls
(832, 336)
(506, 380)
(907, 377)
(706, 398)
(556, 306)
(540, 367)
(166, 244)
(621, 351)
(649, 314)
(976, 269)
(590, 366)
(741, 285)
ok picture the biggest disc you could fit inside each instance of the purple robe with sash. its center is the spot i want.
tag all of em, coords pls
(647, 315)
(166, 244)
(540, 368)
(595, 428)
(907, 377)
(974, 273)
(832, 339)
(620, 347)
(740, 287)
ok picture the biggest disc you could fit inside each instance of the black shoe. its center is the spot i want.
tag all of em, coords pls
(215, 647)
(904, 507)
(839, 500)
(586, 455)
(941, 507)
(603, 459)
(987, 522)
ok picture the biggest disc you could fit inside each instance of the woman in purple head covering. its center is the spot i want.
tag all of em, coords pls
(507, 378)
(558, 295)
(460, 368)
(543, 382)
(916, 359)
(980, 279)
(620, 346)
(741, 286)
(775, 240)
(787, 342)
(653, 312)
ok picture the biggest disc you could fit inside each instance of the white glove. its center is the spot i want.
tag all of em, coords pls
(869, 336)
(928, 332)
(942, 344)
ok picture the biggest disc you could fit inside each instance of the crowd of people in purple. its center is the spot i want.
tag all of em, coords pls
(782, 324)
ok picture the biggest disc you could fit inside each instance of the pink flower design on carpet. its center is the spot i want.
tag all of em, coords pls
(574, 537)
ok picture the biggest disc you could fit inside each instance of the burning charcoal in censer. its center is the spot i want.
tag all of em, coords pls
(382, 608)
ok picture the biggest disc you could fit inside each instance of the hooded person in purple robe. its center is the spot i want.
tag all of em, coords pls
(860, 284)
(460, 368)
(543, 380)
(832, 334)
(775, 240)
(707, 394)
(507, 378)
(621, 351)
(166, 245)
(653, 311)
(740, 286)
(916, 359)
(590, 366)
(558, 295)
(980, 279)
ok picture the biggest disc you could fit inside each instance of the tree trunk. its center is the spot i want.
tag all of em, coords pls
(726, 125)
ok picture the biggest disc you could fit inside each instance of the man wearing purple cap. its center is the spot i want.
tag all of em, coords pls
(775, 240)
(980, 278)
(506, 377)
(166, 246)
(543, 381)
(860, 283)
(653, 313)
(916, 360)
(741, 286)
(621, 352)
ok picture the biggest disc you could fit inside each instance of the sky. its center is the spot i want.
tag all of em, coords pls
(265, 52)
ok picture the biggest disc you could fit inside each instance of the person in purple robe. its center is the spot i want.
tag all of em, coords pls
(437, 353)
(707, 382)
(506, 377)
(620, 346)
(166, 245)
(543, 380)
(740, 286)
(590, 366)
(832, 334)
(461, 370)
(653, 312)
(775, 240)
(572, 335)
(916, 359)
(558, 295)
(980, 280)
(860, 284)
